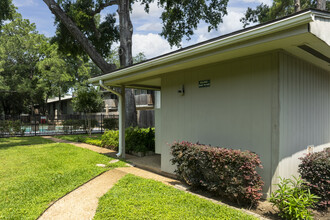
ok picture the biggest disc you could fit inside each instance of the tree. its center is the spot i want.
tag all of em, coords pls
(20, 51)
(280, 8)
(7, 11)
(60, 73)
(80, 18)
(87, 100)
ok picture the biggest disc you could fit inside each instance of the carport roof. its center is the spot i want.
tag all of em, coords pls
(305, 34)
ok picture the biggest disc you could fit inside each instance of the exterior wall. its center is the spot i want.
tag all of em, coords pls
(234, 112)
(304, 111)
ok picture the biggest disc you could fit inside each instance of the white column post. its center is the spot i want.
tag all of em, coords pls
(121, 111)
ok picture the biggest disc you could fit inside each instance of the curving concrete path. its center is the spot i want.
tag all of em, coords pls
(81, 204)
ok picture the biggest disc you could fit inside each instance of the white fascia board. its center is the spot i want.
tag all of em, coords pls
(280, 25)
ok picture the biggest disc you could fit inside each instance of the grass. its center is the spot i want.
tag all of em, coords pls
(95, 139)
(137, 198)
(35, 172)
(79, 137)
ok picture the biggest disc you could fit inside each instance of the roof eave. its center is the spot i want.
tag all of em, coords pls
(258, 31)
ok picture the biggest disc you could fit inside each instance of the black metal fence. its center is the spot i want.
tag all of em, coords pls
(37, 125)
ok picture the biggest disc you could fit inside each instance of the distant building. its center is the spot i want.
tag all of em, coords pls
(143, 100)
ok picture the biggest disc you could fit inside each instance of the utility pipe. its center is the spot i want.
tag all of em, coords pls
(121, 110)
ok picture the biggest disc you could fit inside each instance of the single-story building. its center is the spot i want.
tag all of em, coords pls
(265, 88)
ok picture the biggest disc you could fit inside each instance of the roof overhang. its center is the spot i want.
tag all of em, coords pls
(310, 28)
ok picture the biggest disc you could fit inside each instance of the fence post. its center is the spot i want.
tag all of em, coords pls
(35, 125)
(71, 118)
(101, 123)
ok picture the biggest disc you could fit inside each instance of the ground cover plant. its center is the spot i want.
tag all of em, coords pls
(229, 173)
(137, 198)
(36, 172)
(315, 170)
(293, 199)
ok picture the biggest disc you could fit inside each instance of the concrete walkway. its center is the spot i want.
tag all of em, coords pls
(82, 203)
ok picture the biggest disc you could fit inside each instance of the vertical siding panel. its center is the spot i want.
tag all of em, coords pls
(304, 111)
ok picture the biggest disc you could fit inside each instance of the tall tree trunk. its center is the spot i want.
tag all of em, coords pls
(297, 5)
(321, 4)
(126, 58)
(79, 36)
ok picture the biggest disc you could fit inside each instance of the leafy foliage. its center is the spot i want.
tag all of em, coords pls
(278, 9)
(7, 10)
(87, 100)
(293, 199)
(11, 127)
(20, 51)
(110, 123)
(226, 172)
(86, 15)
(110, 139)
(315, 170)
(136, 139)
(140, 139)
(181, 18)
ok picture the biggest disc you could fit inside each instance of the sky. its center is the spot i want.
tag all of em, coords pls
(147, 27)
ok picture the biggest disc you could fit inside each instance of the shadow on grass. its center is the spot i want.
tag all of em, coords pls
(20, 141)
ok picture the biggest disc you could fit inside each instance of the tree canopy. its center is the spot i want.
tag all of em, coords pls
(179, 18)
(20, 51)
(32, 70)
(280, 8)
(7, 11)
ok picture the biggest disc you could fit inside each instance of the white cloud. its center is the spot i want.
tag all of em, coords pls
(267, 2)
(24, 3)
(157, 27)
(232, 21)
(151, 45)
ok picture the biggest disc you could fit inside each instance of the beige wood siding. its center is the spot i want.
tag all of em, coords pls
(304, 111)
(234, 112)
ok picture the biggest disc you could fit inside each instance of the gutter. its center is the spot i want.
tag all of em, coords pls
(254, 32)
(121, 110)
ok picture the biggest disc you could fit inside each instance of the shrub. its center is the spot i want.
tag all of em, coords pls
(110, 139)
(136, 139)
(293, 199)
(110, 123)
(140, 139)
(226, 172)
(315, 170)
(11, 127)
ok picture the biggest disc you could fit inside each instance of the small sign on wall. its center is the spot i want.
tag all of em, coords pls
(204, 83)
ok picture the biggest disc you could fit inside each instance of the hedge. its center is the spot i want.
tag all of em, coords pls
(315, 170)
(136, 139)
(229, 173)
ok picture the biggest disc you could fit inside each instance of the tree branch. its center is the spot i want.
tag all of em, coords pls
(79, 36)
(103, 6)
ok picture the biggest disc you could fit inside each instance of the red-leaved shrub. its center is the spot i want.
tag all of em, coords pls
(226, 172)
(315, 170)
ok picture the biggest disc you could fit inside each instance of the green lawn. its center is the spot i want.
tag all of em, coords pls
(35, 172)
(137, 198)
(79, 137)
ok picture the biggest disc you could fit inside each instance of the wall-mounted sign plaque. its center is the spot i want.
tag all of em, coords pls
(204, 83)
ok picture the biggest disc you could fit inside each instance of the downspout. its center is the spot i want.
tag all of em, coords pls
(121, 110)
